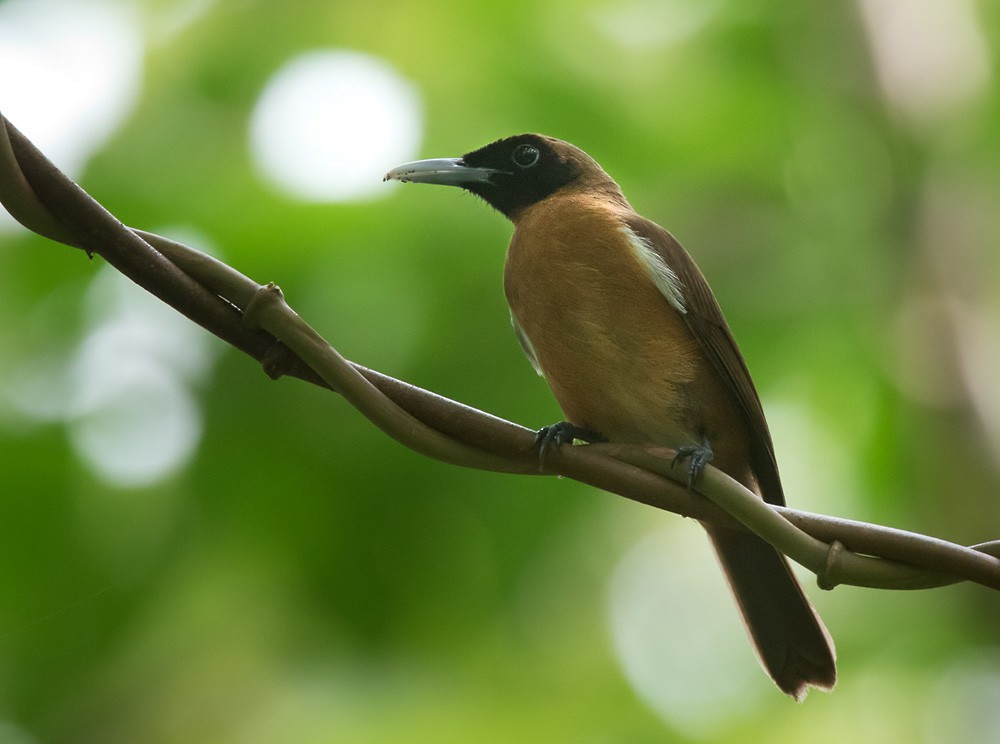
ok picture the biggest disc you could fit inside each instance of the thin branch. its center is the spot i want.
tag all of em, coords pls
(253, 317)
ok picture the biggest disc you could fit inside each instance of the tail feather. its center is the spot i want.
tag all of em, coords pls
(791, 641)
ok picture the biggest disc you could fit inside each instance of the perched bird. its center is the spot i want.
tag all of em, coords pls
(619, 321)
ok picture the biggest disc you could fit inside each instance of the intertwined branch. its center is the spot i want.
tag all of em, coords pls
(256, 320)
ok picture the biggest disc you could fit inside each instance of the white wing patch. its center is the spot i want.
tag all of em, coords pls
(662, 275)
(526, 347)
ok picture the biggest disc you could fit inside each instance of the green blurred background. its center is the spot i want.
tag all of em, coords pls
(193, 553)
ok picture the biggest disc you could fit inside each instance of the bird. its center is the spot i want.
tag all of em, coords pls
(620, 322)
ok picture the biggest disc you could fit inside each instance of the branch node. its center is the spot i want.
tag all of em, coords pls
(831, 574)
(265, 295)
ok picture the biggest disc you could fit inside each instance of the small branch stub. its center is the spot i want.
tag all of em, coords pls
(266, 295)
(829, 577)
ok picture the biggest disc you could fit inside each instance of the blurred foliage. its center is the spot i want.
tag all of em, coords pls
(305, 579)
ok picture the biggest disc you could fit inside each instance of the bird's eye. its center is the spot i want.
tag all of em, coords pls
(525, 156)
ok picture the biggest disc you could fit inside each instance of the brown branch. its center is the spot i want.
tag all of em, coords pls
(252, 317)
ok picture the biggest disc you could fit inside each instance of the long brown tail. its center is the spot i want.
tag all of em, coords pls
(789, 637)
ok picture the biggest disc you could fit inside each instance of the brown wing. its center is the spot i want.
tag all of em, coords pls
(704, 318)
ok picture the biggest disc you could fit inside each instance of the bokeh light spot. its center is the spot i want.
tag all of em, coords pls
(125, 391)
(965, 705)
(72, 72)
(678, 636)
(134, 418)
(330, 123)
(931, 56)
(652, 24)
(141, 431)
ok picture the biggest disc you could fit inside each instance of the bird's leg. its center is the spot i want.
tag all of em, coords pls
(697, 455)
(561, 433)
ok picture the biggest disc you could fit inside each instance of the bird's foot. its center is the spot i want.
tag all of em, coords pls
(697, 455)
(562, 433)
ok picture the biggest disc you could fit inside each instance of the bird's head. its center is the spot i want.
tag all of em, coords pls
(512, 173)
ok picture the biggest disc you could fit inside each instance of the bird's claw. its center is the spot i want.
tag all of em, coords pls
(697, 455)
(562, 433)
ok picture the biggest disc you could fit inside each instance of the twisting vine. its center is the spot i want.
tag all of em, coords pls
(255, 319)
